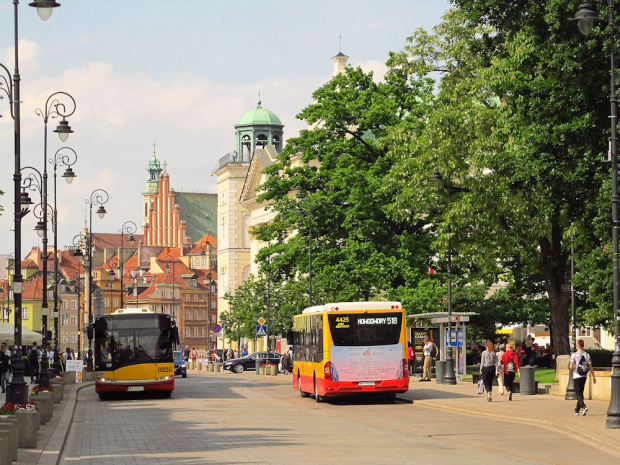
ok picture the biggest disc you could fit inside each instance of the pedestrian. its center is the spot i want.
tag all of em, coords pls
(4, 366)
(488, 368)
(244, 352)
(285, 361)
(50, 356)
(581, 364)
(186, 353)
(33, 361)
(510, 365)
(230, 355)
(428, 359)
(500, 369)
(410, 358)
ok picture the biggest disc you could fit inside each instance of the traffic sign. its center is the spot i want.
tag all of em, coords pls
(217, 328)
(261, 321)
(261, 330)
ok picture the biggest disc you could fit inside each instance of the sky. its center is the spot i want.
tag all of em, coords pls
(178, 74)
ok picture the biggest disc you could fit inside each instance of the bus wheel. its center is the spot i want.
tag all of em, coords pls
(317, 397)
(301, 393)
(390, 397)
(104, 396)
(166, 394)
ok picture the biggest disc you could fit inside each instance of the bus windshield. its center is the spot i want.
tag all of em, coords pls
(363, 329)
(121, 342)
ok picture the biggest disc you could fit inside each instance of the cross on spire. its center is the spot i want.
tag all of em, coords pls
(154, 145)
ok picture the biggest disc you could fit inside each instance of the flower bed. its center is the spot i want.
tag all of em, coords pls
(36, 389)
(9, 408)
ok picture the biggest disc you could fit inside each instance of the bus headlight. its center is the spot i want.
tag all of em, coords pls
(163, 378)
(107, 380)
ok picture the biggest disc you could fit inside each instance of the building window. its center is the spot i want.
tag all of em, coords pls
(203, 298)
(195, 332)
(203, 331)
(63, 305)
(213, 305)
(95, 274)
(24, 313)
(73, 321)
(187, 299)
(73, 338)
(106, 302)
(204, 262)
(187, 333)
(195, 314)
(204, 315)
(73, 305)
(213, 318)
(115, 302)
(194, 284)
(63, 337)
(195, 297)
(163, 293)
(187, 313)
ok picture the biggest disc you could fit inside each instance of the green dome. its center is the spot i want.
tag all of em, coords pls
(259, 115)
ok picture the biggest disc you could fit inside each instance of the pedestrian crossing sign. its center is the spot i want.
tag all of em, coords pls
(261, 330)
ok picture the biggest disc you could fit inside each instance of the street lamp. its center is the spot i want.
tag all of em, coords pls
(53, 108)
(438, 180)
(129, 227)
(173, 261)
(114, 264)
(35, 181)
(75, 277)
(586, 17)
(300, 212)
(97, 197)
(11, 88)
(208, 245)
(64, 156)
(570, 386)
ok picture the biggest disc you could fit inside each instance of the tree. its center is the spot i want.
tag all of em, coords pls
(514, 122)
(337, 171)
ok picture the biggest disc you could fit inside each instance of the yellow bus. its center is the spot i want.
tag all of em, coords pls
(350, 348)
(133, 352)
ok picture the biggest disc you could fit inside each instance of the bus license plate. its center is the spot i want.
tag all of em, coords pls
(366, 383)
(141, 388)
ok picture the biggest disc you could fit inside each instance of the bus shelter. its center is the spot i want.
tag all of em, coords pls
(458, 339)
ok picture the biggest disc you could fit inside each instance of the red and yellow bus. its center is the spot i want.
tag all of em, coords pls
(133, 352)
(350, 348)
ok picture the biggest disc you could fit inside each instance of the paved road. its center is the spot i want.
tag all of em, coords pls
(228, 418)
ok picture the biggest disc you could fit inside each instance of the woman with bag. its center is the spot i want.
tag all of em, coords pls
(488, 362)
(510, 365)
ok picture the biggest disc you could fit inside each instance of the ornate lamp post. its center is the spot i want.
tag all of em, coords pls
(168, 262)
(300, 212)
(129, 227)
(34, 181)
(53, 108)
(586, 17)
(437, 178)
(75, 277)
(114, 264)
(64, 156)
(11, 88)
(97, 197)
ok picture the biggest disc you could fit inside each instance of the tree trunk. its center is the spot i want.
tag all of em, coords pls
(554, 268)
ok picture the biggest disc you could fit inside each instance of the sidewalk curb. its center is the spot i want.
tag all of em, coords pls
(53, 449)
(578, 434)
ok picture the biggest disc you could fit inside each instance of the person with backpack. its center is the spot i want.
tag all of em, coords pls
(488, 362)
(510, 363)
(581, 364)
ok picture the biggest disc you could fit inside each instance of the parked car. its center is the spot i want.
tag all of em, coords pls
(239, 365)
(180, 367)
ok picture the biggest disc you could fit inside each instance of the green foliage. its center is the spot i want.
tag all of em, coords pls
(600, 357)
(338, 170)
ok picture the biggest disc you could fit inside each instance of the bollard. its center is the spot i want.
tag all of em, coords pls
(12, 429)
(274, 370)
(210, 367)
(527, 386)
(440, 371)
(69, 377)
(28, 421)
(5, 450)
(257, 366)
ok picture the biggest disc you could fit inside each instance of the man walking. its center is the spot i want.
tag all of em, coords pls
(581, 364)
(428, 359)
(5, 357)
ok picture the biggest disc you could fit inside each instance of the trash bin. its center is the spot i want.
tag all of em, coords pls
(527, 386)
(440, 370)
